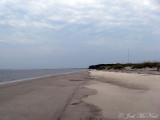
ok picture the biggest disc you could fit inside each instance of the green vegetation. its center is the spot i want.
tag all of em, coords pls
(109, 68)
(158, 68)
(101, 68)
(116, 67)
(119, 66)
(145, 65)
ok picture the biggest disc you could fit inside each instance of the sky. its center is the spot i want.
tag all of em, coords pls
(41, 34)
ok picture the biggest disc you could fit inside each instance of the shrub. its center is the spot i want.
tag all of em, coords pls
(109, 68)
(101, 68)
(118, 67)
(138, 66)
(158, 67)
(145, 64)
(149, 64)
(122, 66)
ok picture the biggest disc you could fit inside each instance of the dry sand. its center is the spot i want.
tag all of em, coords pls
(126, 95)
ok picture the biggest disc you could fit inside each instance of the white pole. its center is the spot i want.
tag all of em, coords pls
(128, 55)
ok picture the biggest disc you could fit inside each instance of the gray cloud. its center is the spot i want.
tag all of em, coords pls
(69, 29)
(46, 13)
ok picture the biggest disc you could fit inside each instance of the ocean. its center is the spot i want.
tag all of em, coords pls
(18, 75)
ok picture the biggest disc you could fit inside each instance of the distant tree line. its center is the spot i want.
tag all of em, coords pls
(99, 65)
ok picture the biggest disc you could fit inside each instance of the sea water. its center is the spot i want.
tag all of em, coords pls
(16, 75)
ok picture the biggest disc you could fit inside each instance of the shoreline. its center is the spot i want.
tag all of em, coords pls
(55, 97)
(21, 80)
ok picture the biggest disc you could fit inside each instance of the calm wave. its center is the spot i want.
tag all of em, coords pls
(12, 75)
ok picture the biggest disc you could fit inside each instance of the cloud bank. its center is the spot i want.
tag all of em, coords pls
(53, 29)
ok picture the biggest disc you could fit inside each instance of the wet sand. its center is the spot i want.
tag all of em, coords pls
(126, 95)
(56, 97)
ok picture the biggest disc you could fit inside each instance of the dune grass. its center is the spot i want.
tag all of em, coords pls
(120, 66)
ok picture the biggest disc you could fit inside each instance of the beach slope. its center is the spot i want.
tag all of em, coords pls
(126, 95)
(51, 98)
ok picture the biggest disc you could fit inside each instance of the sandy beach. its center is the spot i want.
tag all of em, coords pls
(126, 95)
(93, 95)
(50, 98)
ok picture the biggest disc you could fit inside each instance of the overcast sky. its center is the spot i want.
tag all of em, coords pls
(77, 33)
